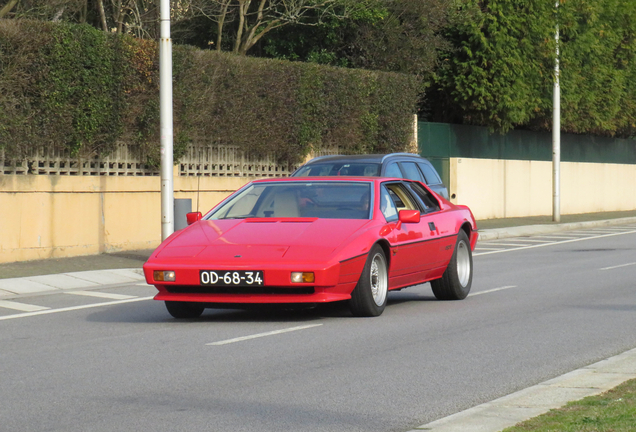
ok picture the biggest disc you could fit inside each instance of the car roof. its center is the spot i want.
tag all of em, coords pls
(369, 158)
(341, 179)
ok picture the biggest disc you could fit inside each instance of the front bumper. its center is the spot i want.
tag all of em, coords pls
(333, 282)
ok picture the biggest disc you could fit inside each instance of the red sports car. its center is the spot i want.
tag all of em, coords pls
(314, 240)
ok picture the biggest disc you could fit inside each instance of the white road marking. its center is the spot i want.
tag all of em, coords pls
(73, 308)
(492, 290)
(557, 237)
(502, 244)
(21, 306)
(259, 335)
(618, 266)
(101, 295)
(534, 240)
(555, 243)
(486, 248)
(583, 233)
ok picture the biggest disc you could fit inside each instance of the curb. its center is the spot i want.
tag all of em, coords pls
(528, 230)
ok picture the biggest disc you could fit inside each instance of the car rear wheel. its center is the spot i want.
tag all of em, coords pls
(184, 309)
(370, 294)
(458, 277)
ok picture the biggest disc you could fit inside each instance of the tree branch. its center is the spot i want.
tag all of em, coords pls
(7, 8)
(102, 14)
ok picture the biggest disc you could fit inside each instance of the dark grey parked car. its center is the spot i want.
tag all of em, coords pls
(400, 165)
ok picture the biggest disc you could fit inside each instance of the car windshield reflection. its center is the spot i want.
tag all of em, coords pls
(328, 200)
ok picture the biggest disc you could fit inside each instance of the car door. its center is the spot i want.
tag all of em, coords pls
(439, 231)
(409, 249)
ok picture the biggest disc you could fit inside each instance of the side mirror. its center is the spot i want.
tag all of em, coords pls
(193, 217)
(409, 216)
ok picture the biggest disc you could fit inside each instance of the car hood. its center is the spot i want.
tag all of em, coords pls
(264, 240)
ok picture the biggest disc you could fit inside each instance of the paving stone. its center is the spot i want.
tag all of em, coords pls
(24, 286)
(104, 277)
(61, 281)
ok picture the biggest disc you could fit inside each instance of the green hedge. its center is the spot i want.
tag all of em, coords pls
(70, 87)
(77, 88)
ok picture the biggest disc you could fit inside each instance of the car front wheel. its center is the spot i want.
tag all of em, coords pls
(184, 310)
(369, 297)
(456, 281)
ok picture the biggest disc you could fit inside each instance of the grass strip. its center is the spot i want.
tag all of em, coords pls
(612, 411)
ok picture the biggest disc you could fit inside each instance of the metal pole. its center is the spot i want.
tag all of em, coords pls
(556, 135)
(165, 107)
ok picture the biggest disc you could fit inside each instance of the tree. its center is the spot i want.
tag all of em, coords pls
(598, 67)
(246, 22)
(388, 35)
(53, 10)
(406, 39)
(137, 17)
(498, 72)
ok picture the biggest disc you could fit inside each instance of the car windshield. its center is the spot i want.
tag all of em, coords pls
(330, 200)
(339, 169)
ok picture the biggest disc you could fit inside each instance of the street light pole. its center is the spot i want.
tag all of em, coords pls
(556, 134)
(165, 108)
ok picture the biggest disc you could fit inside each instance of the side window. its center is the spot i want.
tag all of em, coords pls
(429, 173)
(402, 198)
(428, 200)
(387, 205)
(393, 170)
(411, 172)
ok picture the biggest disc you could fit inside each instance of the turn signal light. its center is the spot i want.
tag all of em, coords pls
(163, 276)
(302, 277)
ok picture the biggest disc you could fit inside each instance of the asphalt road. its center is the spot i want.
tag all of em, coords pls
(538, 309)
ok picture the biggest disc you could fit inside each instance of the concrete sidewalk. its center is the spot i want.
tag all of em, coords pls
(33, 285)
(22, 279)
(57, 274)
(519, 227)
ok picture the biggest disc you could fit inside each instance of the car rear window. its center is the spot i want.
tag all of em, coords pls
(339, 169)
(411, 172)
(430, 174)
(393, 170)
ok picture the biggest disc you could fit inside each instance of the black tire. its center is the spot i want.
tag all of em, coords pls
(456, 281)
(369, 297)
(184, 310)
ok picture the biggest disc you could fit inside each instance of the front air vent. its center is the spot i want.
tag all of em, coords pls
(196, 289)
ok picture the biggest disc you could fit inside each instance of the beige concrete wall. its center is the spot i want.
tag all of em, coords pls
(62, 216)
(497, 188)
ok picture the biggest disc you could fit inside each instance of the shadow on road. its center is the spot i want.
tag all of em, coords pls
(155, 312)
